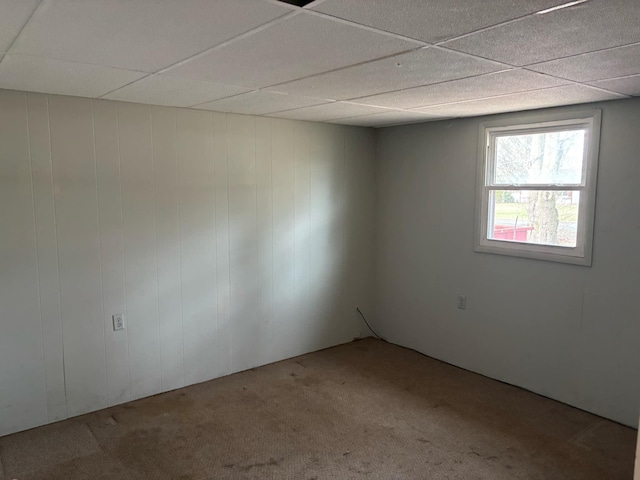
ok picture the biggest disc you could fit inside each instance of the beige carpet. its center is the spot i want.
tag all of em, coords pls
(363, 410)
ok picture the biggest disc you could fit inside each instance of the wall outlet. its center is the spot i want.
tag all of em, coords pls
(462, 302)
(118, 321)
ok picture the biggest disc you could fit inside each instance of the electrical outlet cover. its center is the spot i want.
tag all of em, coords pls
(462, 302)
(118, 322)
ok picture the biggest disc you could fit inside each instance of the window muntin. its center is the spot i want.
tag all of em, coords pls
(536, 187)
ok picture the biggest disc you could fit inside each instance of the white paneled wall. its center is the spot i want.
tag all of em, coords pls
(23, 387)
(228, 242)
(75, 183)
(565, 331)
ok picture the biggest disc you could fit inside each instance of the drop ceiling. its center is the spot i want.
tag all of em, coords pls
(355, 62)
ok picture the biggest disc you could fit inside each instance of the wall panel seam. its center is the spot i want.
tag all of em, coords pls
(272, 300)
(177, 158)
(55, 226)
(155, 238)
(35, 237)
(104, 325)
(215, 236)
(226, 159)
(124, 260)
(257, 230)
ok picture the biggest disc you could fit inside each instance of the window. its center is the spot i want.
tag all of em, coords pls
(536, 186)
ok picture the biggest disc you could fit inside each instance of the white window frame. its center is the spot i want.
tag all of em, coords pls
(581, 254)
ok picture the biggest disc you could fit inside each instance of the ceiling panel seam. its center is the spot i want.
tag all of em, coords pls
(336, 101)
(366, 27)
(75, 62)
(504, 95)
(339, 69)
(487, 28)
(575, 55)
(354, 99)
(476, 57)
(621, 77)
(222, 98)
(125, 85)
(516, 67)
(22, 29)
(434, 118)
(230, 41)
(209, 49)
(578, 82)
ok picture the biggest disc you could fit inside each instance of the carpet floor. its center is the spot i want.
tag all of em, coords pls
(365, 410)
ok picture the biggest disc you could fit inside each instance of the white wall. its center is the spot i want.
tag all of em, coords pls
(228, 241)
(567, 332)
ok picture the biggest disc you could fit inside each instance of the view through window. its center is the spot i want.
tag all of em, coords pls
(546, 217)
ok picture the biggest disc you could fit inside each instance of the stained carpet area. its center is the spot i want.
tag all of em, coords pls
(365, 410)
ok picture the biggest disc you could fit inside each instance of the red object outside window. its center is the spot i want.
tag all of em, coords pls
(509, 232)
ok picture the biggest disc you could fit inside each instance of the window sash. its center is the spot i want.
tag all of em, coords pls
(545, 127)
(489, 217)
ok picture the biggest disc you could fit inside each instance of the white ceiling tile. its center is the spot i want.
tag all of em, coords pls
(420, 67)
(305, 57)
(590, 26)
(626, 85)
(144, 35)
(260, 103)
(297, 47)
(392, 117)
(500, 83)
(611, 63)
(329, 111)
(550, 97)
(45, 75)
(433, 20)
(173, 92)
(13, 16)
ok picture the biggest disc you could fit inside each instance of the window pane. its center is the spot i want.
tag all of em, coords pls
(538, 217)
(540, 158)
